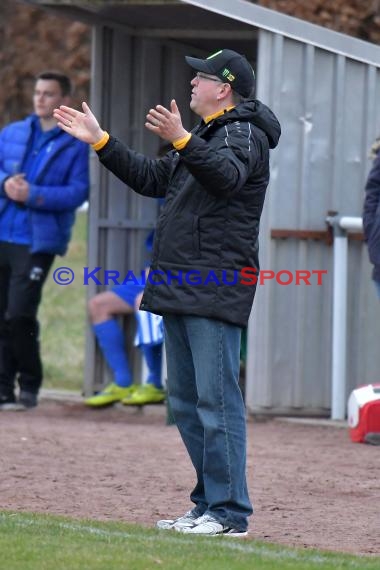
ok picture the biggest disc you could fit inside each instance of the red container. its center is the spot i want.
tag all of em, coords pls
(364, 412)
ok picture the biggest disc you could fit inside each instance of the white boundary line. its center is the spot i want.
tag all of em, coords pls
(228, 543)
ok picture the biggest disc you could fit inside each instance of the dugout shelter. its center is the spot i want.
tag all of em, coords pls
(325, 88)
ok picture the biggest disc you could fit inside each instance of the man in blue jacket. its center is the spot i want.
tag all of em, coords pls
(371, 215)
(43, 180)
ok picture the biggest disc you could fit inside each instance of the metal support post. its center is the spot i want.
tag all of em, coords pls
(340, 225)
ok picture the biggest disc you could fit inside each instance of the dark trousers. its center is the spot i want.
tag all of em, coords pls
(22, 276)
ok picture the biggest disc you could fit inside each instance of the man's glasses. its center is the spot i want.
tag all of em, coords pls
(201, 75)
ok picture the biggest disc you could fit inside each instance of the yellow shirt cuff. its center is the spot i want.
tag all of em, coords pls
(179, 144)
(102, 142)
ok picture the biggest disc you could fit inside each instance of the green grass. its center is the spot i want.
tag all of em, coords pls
(63, 315)
(44, 542)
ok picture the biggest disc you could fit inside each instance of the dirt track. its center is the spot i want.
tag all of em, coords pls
(310, 485)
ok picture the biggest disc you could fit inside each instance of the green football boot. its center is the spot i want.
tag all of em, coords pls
(111, 394)
(144, 394)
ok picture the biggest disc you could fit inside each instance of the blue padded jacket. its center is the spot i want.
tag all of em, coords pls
(59, 185)
(371, 215)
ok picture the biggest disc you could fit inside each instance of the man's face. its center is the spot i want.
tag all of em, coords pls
(47, 96)
(204, 95)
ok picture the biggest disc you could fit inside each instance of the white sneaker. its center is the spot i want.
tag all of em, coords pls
(12, 407)
(187, 520)
(207, 525)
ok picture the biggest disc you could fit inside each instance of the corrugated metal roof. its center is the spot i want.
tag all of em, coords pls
(170, 15)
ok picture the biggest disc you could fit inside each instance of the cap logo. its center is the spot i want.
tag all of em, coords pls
(227, 74)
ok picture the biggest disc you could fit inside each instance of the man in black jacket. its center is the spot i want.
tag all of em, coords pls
(214, 183)
(371, 215)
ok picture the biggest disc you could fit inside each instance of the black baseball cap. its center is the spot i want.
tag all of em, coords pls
(230, 67)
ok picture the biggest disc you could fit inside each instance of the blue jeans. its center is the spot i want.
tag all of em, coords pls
(203, 358)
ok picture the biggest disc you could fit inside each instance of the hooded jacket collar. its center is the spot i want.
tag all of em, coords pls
(256, 113)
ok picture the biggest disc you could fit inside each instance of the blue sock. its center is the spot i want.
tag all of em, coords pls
(112, 343)
(153, 357)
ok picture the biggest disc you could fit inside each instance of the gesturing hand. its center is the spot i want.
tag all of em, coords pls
(167, 124)
(83, 126)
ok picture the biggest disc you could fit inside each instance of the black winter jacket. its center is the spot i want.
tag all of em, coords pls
(208, 229)
(371, 215)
